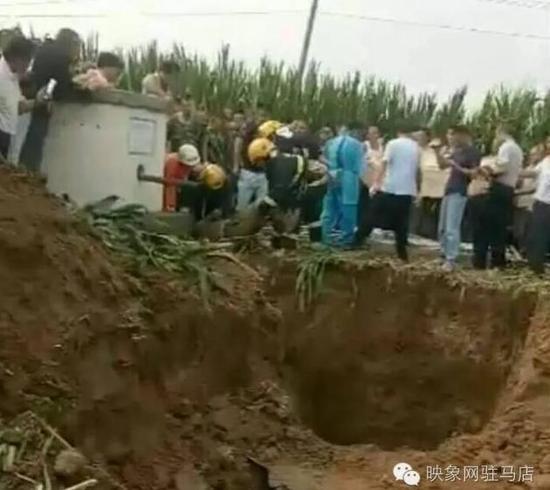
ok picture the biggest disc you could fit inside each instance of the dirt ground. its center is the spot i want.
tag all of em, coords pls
(391, 365)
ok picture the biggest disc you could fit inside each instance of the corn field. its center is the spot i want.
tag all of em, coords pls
(323, 99)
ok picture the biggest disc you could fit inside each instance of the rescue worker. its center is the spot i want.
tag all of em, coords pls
(190, 184)
(252, 185)
(305, 144)
(345, 155)
(205, 193)
(177, 169)
(288, 175)
(269, 129)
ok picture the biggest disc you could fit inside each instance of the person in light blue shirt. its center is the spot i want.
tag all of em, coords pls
(345, 159)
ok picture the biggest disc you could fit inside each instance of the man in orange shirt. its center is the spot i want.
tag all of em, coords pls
(177, 169)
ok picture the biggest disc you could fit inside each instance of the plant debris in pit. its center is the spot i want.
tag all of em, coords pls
(122, 231)
(34, 455)
(64, 297)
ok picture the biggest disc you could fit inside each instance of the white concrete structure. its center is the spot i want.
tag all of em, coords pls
(94, 147)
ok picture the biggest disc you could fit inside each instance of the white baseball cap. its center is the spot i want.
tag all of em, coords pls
(189, 155)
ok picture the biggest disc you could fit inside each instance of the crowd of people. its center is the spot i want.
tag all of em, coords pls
(438, 187)
(341, 183)
(32, 76)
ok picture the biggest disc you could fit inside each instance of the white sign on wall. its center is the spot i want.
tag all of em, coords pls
(141, 136)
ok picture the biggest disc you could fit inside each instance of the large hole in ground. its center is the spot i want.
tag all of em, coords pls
(402, 364)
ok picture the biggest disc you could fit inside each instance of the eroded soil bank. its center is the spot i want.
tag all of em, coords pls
(388, 365)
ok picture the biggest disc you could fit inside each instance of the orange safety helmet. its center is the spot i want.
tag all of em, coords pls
(259, 150)
(213, 176)
(269, 128)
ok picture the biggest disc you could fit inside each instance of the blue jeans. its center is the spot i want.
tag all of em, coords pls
(252, 187)
(450, 222)
(336, 214)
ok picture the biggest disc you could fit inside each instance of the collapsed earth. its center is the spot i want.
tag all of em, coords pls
(114, 376)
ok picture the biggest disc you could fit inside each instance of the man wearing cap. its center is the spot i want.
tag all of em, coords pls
(188, 183)
(288, 173)
(177, 169)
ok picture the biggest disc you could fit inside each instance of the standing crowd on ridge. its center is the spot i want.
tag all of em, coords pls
(341, 183)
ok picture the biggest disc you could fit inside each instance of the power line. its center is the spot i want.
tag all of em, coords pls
(223, 14)
(39, 3)
(163, 14)
(53, 16)
(525, 4)
(369, 18)
(448, 27)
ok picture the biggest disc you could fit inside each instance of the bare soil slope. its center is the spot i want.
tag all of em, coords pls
(158, 392)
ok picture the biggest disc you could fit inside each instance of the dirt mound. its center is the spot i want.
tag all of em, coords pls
(53, 278)
(159, 392)
(99, 354)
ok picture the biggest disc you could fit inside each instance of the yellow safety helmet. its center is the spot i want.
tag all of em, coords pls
(259, 150)
(269, 128)
(213, 176)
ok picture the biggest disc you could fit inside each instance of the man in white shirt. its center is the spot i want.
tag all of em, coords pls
(539, 229)
(395, 186)
(490, 226)
(13, 65)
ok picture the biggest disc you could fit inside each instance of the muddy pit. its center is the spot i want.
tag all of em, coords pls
(404, 364)
(394, 363)
(390, 364)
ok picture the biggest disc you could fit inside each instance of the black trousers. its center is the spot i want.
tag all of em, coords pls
(32, 151)
(364, 218)
(312, 204)
(491, 216)
(539, 236)
(202, 201)
(521, 229)
(392, 212)
(5, 139)
(426, 218)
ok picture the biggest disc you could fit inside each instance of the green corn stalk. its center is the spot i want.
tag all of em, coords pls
(310, 277)
(121, 230)
(324, 99)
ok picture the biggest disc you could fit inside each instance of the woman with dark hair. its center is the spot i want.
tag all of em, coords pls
(55, 60)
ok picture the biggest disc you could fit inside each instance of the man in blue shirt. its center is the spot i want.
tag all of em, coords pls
(345, 158)
(463, 158)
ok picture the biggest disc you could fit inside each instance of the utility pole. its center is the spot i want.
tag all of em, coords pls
(307, 39)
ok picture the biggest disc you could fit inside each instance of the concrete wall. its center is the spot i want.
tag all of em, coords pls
(93, 149)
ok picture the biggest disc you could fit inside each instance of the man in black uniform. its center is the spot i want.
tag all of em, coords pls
(288, 174)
